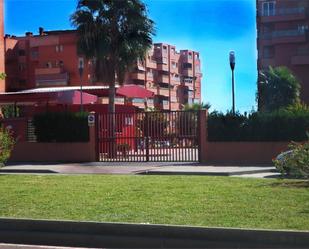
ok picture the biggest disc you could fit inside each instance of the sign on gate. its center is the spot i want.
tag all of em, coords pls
(91, 119)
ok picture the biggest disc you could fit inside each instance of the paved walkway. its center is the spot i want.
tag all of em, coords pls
(140, 168)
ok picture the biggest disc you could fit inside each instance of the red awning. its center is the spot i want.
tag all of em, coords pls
(71, 97)
(133, 91)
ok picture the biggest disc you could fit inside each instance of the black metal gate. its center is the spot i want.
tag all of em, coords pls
(148, 136)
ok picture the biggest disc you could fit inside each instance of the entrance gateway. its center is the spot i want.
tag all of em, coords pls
(165, 136)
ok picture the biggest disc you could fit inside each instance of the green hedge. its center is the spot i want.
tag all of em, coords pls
(61, 127)
(282, 125)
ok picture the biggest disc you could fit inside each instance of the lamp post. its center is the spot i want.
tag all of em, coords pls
(81, 72)
(232, 64)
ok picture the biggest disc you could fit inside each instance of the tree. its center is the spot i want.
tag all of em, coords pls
(115, 34)
(277, 88)
(196, 106)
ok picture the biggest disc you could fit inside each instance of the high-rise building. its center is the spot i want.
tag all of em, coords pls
(283, 38)
(2, 63)
(50, 59)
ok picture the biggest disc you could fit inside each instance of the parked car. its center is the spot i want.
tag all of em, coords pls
(284, 155)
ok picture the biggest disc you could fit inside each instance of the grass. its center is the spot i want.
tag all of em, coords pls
(185, 200)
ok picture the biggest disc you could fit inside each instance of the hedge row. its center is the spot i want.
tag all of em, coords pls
(61, 127)
(283, 125)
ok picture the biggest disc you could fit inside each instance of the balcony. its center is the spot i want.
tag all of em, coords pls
(163, 78)
(300, 59)
(284, 36)
(162, 67)
(164, 92)
(175, 81)
(284, 14)
(43, 71)
(151, 64)
(59, 79)
(138, 76)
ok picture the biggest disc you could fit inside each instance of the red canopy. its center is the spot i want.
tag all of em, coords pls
(71, 97)
(133, 91)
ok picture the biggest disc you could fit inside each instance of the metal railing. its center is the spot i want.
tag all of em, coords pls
(285, 11)
(283, 33)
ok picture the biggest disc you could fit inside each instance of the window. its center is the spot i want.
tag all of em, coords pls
(59, 48)
(173, 51)
(49, 64)
(268, 8)
(174, 64)
(196, 56)
(22, 67)
(22, 82)
(34, 54)
(164, 60)
(187, 66)
(22, 52)
(197, 69)
(165, 102)
(150, 73)
(138, 100)
(190, 56)
(302, 27)
(268, 52)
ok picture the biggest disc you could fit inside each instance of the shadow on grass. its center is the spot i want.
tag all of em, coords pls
(290, 184)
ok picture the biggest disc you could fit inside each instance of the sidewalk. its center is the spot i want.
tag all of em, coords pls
(129, 168)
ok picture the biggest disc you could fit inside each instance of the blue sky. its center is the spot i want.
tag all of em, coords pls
(212, 27)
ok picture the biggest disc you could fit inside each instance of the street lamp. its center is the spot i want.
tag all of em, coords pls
(232, 64)
(81, 72)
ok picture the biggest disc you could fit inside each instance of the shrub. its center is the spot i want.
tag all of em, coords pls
(6, 145)
(61, 127)
(296, 162)
(289, 124)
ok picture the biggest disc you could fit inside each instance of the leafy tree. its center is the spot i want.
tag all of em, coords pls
(277, 88)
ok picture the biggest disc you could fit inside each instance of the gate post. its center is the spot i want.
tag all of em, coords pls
(93, 137)
(202, 135)
(147, 136)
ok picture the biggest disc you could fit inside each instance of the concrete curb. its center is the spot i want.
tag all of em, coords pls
(199, 173)
(110, 235)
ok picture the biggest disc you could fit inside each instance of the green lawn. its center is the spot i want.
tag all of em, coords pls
(189, 200)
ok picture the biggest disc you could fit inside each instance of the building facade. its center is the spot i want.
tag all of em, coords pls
(283, 38)
(50, 59)
(2, 63)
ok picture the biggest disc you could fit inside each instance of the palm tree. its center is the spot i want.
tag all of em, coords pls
(277, 88)
(115, 34)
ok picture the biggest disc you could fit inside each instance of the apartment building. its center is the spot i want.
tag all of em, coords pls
(2, 68)
(49, 59)
(283, 38)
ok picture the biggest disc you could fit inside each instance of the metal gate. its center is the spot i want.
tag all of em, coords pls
(148, 136)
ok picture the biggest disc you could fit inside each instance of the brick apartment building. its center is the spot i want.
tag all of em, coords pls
(2, 68)
(49, 59)
(283, 38)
